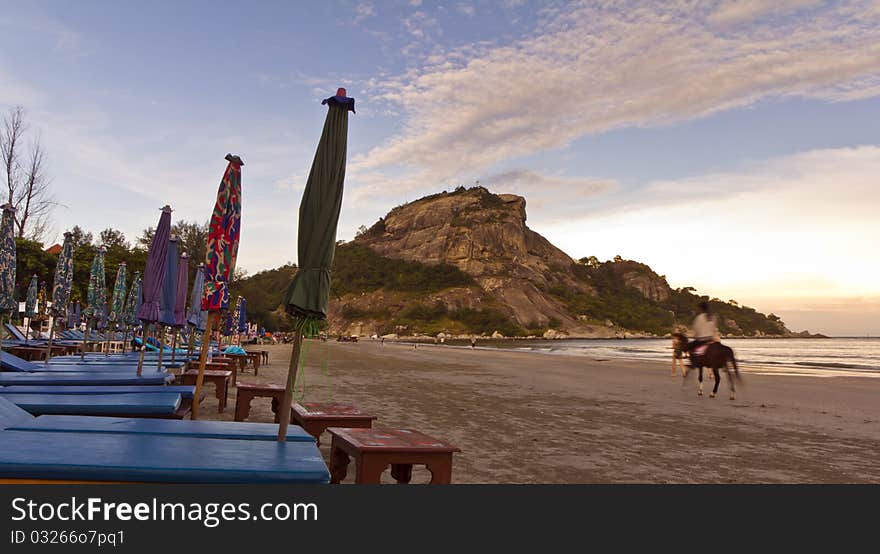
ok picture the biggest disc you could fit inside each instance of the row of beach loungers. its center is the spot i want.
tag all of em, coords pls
(95, 419)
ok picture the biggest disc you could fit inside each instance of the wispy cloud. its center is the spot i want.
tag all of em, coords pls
(591, 68)
(363, 11)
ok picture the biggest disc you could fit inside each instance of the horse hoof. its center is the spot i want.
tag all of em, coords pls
(733, 397)
(711, 395)
(700, 393)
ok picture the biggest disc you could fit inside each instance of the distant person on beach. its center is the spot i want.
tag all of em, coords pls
(473, 342)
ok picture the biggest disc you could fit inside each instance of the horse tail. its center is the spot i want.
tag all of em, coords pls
(733, 361)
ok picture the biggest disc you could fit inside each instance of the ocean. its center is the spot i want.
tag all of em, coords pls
(827, 357)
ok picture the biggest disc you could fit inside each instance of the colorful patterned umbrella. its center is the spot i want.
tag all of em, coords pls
(154, 277)
(97, 291)
(30, 303)
(42, 303)
(133, 302)
(222, 252)
(63, 278)
(96, 295)
(223, 237)
(228, 324)
(117, 303)
(8, 303)
(309, 290)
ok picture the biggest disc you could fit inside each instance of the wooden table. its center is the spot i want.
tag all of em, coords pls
(29, 353)
(316, 417)
(255, 359)
(248, 391)
(375, 449)
(218, 364)
(220, 378)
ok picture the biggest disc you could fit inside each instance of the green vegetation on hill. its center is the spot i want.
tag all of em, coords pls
(627, 307)
(357, 268)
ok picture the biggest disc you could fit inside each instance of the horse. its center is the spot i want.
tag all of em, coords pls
(714, 356)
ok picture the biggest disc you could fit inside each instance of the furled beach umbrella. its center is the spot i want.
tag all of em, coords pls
(154, 278)
(117, 303)
(196, 317)
(180, 301)
(96, 295)
(168, 299)
(74, 317)
(61, 286)
(132, 303)
(30, 305)
(42, 303)
(309, 291)
(222, 251)
(8, 303)
(241, 317)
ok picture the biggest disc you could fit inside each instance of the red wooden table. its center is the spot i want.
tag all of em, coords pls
(375, 449)
(316, 417)
(220, 380)
(248, 391)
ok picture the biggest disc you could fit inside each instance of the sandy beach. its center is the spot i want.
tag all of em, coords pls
(523, 417)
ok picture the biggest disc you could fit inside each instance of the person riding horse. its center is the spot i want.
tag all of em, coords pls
(706, 350)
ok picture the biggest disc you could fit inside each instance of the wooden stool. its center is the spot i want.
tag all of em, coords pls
(375, 449)
(265, 354)
(248, 391)
(220, 379)
(255, 359)
(316, 417)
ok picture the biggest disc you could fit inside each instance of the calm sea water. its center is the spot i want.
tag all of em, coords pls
(837, 356)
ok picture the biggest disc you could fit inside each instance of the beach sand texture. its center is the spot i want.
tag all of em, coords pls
(522, 417)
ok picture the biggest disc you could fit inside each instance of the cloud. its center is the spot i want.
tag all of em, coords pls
(740, 11)
(590, 68)
(466, 9)
(789, 231)
(363, 11)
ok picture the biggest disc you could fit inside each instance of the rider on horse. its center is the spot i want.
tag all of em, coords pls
(705, 331)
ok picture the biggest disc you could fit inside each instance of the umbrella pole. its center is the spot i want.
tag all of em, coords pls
(160, 330)
(192, 342)
(287, 400)
(82, 353)
(27, 329)
(173, 344)
(203, 358)
(124, 337)
(107, 344)
(51, 336)
(143, 348)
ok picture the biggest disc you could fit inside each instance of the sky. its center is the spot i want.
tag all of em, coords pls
(733, 146)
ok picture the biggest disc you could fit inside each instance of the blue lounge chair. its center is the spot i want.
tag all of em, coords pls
(14, 418)
(94, 449)
(126, 405)
(84, 378)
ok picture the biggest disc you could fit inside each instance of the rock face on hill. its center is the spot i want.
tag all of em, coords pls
(486, 236)
(465, 262)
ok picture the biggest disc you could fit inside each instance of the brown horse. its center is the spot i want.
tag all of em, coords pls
(714, 356)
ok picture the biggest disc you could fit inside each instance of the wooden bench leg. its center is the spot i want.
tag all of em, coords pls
(441, 471)
(369, 469)
(276, 401)
(242, 405)
(339, 461)
(402, 473)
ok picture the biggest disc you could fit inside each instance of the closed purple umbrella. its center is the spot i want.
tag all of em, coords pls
(154, 276)
(168, 300)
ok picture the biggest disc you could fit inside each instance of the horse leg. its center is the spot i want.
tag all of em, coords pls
(717, 382)
(700, 377)
(730, 379)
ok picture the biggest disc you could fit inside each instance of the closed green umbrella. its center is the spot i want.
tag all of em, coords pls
(8, 303)
(132, 305)
(117, 303)
(309, 291)
(96, 294)
(61, 287)
(30, 305)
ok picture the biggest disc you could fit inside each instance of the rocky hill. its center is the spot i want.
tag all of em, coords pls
(465, 262)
